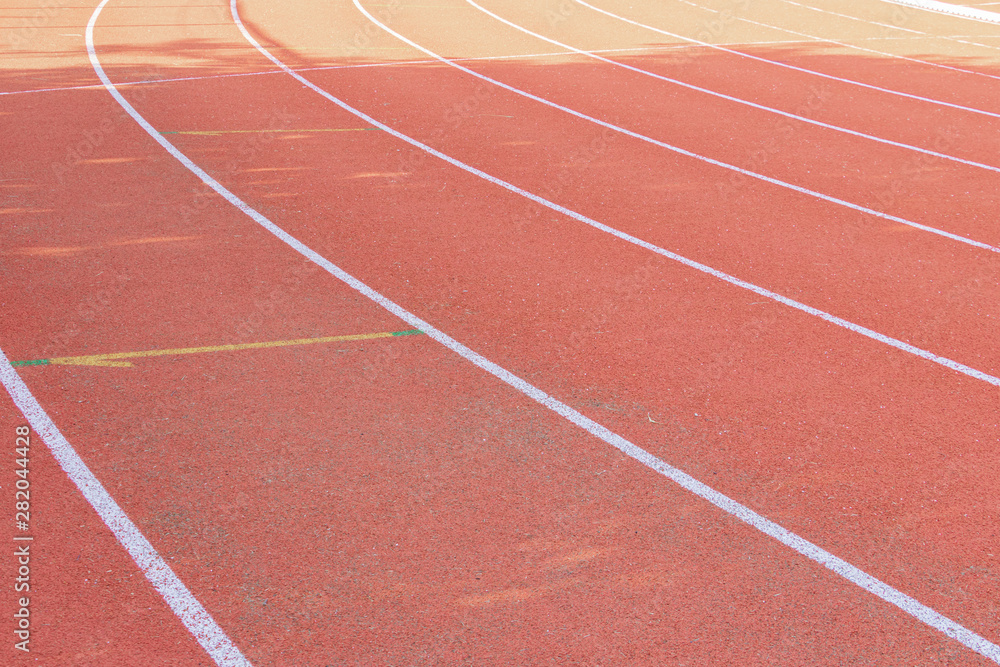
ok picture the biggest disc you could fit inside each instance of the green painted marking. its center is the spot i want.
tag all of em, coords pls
(31, 362)
(412, 332)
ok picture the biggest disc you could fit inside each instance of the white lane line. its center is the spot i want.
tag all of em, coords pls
(908, 604)
(592, 54)
(194, 616)
(187, 608)
(795, 68)
(955, 10)
(681, 151)
(833, 319)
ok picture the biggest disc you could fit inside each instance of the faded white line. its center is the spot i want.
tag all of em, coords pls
(789, 66)
(389, 63)
(394, 63)
(836, 128)
(682, 151)
(187, 608)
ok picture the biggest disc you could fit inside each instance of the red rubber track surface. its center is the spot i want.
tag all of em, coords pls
(386, 502)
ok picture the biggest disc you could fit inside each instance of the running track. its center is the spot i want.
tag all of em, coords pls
(660, 353)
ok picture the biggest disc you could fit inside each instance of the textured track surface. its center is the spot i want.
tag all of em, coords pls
(380, 500)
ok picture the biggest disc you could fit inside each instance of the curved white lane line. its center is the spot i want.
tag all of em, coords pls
(787, 65)
(194, 616)
(675, 149)
(786, 114)
(911, 606)
(761, 291)
(187, 608)
(973, 13)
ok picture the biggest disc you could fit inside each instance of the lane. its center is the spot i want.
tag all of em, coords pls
(897, 18)
(871, 15)
(642, 217)
(762, 85)
(653, 122)
(805, 62)
(682, 151)
(777, 112)
(827, 26)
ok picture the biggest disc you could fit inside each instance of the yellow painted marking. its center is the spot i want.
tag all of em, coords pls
(250, 171)
(111, 359)
(380, 174)
(113, 160)
(213, 132)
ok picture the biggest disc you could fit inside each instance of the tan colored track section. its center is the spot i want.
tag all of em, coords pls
(880, 26)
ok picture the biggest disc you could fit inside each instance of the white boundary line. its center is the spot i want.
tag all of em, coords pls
(676, 149)
(191, 612)
(723, 502)
(787, 65)
(737, 100)
(961, 11)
